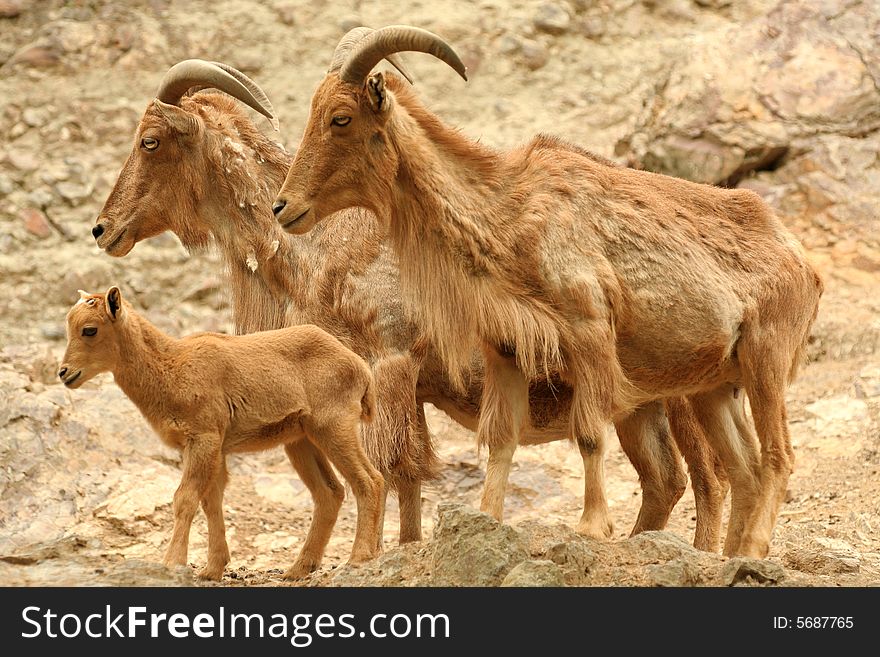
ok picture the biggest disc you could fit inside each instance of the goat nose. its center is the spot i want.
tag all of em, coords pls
(97, 231)
(278, 206)
(62, 372)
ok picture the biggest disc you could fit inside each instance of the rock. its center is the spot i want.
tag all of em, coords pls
(22, 161)
(10, 8)
(41, 198)
(574, 558)
(37, 361)
(552, 18)
(35, 222)
(53, 331)
(824, 556)
(402, 566)
(714, 4)
(742, 570)
(472, 548)
(509, 45)
(678, 572)
(711, 126)
(139, 494)
(134, 572)
(659, 545)
(592, 27)
(74, 193)
(34, 117)
(534, 573)
(287, 14)
(867, 385)
(36, 55)
(6, 185)
(279, 488)
(533, 54)
(837, 416)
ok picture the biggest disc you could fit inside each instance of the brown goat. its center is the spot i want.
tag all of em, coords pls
(630, 286)
(209, 395)
(343, 278)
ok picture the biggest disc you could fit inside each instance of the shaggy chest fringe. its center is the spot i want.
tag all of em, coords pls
(459, 312)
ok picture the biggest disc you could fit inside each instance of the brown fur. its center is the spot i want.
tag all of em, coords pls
(632, 287)
(340, 277)
(208, 395)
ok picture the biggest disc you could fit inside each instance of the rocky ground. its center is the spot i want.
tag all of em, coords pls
(780, 97)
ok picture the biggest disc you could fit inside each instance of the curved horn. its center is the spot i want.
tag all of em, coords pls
(348, 42)
(378, 45)
(198, 73)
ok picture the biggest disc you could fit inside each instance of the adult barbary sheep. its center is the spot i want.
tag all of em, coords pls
(630, 286)
(200, 168)
(210, 395)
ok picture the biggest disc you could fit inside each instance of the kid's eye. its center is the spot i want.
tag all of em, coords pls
(149, 143)
(341, 120)
(90, 331)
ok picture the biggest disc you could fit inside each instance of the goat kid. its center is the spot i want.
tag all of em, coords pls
(209, 395)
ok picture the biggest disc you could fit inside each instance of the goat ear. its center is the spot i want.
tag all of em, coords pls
(380, 100)
(179, 119)
(114, 302)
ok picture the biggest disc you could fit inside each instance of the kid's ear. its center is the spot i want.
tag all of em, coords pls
(380, 100)
(114, 302)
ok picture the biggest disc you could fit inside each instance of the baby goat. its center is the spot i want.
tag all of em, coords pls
(209, 394)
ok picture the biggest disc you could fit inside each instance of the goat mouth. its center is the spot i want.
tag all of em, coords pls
(296, 222)
(109, 248)
(69, 382)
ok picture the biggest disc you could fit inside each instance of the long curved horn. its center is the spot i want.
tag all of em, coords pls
(198, 73)
(348, 42)
(378, 45)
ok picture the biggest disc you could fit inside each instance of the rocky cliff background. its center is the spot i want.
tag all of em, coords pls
(779, 97)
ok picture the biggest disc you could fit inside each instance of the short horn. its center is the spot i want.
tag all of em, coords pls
(190, 73)
(351, 38)
(386, 41)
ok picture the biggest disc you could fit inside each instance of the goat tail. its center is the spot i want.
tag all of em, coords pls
(368, 401)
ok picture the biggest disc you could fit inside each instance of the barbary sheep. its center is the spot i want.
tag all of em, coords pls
(630, 286)
(200, 168)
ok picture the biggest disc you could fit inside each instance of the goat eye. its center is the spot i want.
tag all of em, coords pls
(341, 120)
(149, 143)
(90, 330)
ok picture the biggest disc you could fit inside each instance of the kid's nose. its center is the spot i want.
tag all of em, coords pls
(62, 372)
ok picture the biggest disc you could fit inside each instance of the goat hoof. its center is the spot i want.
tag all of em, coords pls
(300, 570)
(598, 528)
(214, 574)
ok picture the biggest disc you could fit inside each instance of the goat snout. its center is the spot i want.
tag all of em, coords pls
(62, 372)
(278, 206)
(98, 230)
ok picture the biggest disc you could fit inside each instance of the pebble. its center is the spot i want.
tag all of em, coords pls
(553, 19)
(74, 193)
(534, 55)
(6, 185)
(10, 8)
(22, 160)
(41, 198)
(35, 222)
(37, 56)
